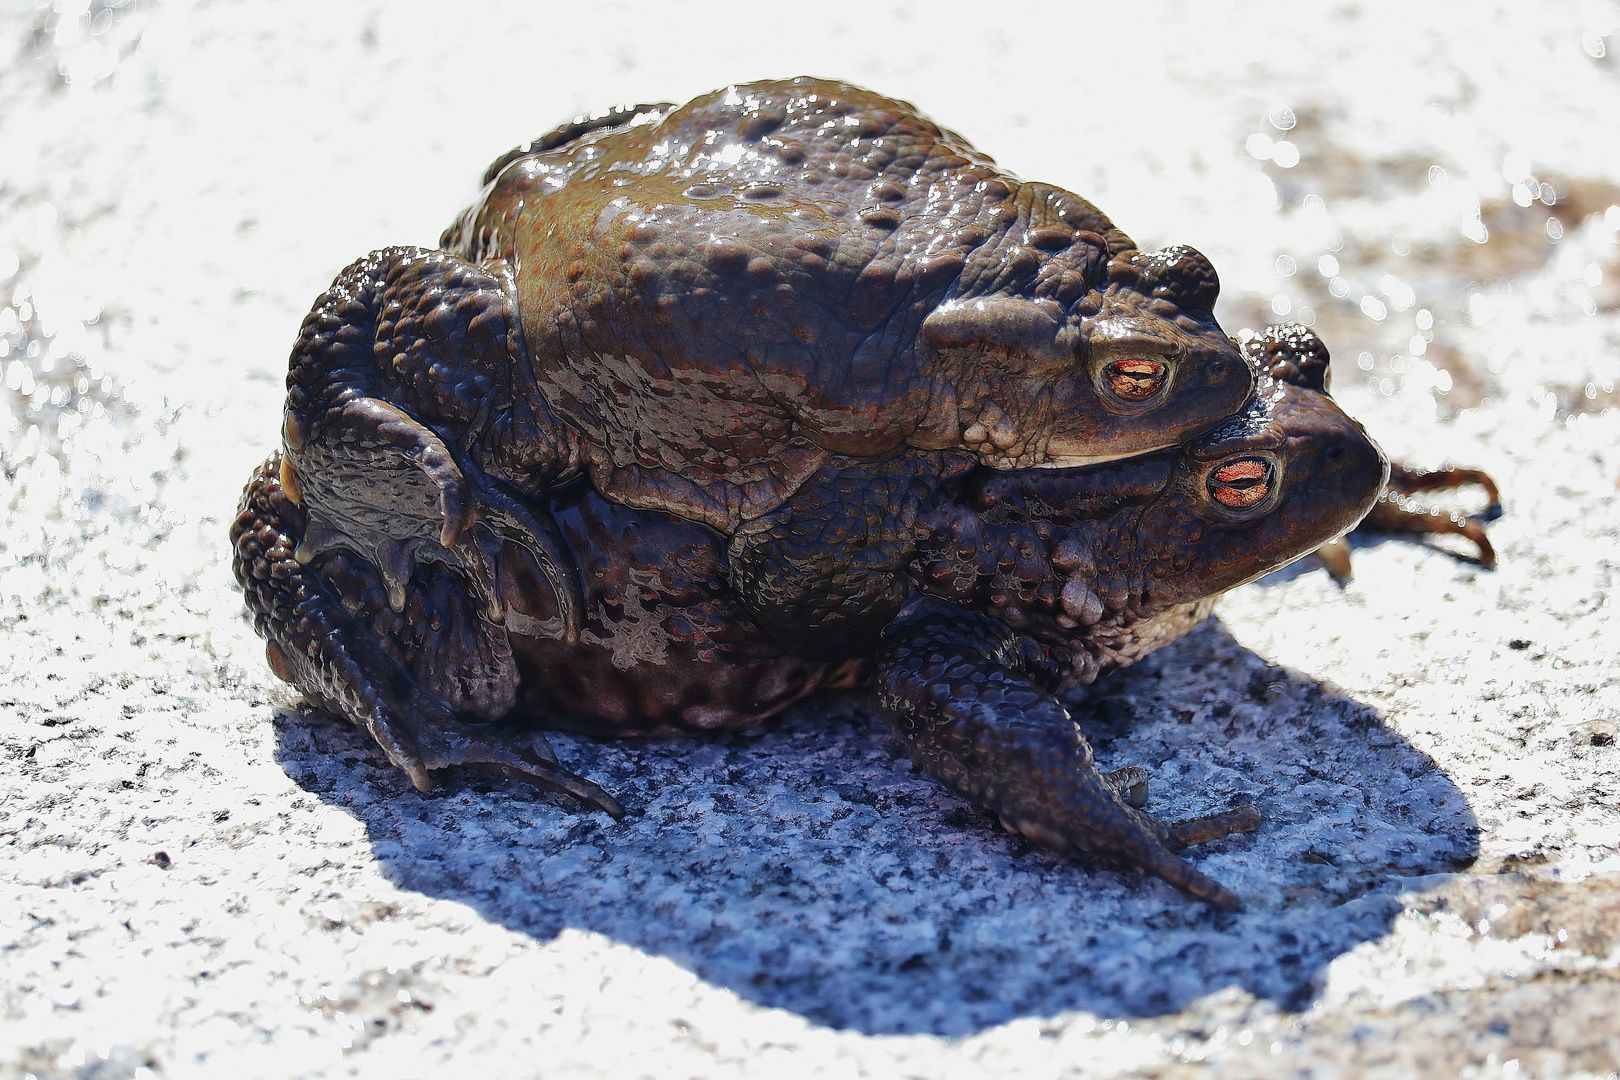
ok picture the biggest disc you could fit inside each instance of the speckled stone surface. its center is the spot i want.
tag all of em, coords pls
(198, 877)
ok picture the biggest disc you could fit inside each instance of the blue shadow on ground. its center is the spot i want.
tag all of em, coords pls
(810, 867)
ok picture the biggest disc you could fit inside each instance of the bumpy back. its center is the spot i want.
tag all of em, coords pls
(721, 295)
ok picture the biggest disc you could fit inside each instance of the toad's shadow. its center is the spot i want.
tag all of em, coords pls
(812, 868)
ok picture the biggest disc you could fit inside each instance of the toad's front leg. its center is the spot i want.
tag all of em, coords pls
(1399, 510)
(965, 694)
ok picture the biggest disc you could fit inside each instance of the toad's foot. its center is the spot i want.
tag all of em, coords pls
(1410, 481)
(421, 743)
(961, 689)
(1398, 511)
(394, 673)
(1130, 784)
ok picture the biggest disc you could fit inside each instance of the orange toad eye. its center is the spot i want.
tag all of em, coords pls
(1241, 484)
(1136, 379)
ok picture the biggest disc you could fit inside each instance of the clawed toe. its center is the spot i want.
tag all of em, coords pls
(556, 779)
(434, 740)
(1182, 875)
(1409, 480)
(1206, 827)
(1398, 511)
(446, 743)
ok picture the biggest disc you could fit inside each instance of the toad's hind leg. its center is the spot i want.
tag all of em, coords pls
(412, 677)
(962, 690)
(409, 427)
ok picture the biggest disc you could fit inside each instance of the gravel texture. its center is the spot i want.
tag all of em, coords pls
(200, 877)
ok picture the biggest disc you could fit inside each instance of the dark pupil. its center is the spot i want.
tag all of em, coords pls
(1240, 484)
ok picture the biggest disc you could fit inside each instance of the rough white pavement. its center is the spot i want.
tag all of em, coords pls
(200, 879)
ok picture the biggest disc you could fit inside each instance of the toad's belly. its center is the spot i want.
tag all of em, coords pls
(646, 683)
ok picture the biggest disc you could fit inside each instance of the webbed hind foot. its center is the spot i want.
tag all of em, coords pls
(408, 674)
(425, 740)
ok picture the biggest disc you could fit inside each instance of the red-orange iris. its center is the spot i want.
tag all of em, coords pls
(1136, 379)
(1240, 484)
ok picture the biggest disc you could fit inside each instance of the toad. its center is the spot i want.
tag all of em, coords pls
(699, 410)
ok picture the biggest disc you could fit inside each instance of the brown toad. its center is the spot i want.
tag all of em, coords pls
(704, 408)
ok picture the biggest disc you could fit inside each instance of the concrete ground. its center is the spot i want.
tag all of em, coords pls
(202, 878)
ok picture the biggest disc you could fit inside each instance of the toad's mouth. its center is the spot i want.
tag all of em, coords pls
(1076, 461)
